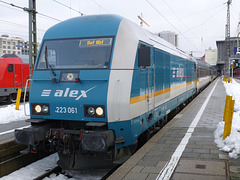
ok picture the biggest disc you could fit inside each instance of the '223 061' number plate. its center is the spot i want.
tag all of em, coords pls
(65, 110)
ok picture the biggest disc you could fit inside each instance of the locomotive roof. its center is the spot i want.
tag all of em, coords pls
(24, 58)
(85, 26)
(203, 64)
(108, 25)
(9, 56)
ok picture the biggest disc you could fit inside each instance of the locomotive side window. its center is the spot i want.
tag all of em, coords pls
(144, 57)
(10, 68)
(92, 53)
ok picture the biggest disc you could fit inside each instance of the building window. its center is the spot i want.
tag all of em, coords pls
(4, 42)
(9, 47)
(4, 51)
(4, 47)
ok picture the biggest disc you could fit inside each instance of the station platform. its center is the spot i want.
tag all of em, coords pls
(184, 149)
(7, 130)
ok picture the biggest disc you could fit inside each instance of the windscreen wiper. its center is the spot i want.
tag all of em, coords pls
(47, 64)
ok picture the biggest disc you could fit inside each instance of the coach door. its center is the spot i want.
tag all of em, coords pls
(146, 65)
(17, 75)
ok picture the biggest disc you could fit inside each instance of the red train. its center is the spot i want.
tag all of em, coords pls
(14, 72)
(236, 73)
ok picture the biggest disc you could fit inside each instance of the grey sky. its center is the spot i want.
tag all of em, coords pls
(199, 23)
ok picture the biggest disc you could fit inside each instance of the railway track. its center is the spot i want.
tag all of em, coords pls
(55, 170)
(104, 174)
(11, 158)
(9, 150)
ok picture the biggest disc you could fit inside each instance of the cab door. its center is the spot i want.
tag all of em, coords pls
(147, 70)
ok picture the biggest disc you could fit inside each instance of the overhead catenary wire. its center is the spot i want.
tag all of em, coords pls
(210, 18)
(82, 14)
(16, 24)
(178, 18)
(4, 2)
(10, 7)
(235, 15)
(44, 15)
(200, 12)
(26, 9)
(171, 24)
(100, 6)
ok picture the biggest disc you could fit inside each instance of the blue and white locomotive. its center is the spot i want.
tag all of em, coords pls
(100, 83)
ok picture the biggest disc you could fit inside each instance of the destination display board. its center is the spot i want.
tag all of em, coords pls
(95, 42)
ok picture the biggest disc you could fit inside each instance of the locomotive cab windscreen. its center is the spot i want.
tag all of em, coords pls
(91, 53)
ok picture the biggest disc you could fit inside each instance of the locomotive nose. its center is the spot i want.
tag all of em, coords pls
(65, 99)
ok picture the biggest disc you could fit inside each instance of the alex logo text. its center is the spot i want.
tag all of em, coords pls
(77, 94)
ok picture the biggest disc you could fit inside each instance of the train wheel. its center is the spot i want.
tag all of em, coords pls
(143, 138)
(2, 99)
(133, 147)
(12, 98)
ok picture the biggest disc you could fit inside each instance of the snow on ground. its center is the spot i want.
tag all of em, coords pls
(33, 170)
(9, 113)
(232, 143)
(40, 167)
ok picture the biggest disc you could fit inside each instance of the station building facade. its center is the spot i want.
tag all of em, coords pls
(223, 62)
(14, 45)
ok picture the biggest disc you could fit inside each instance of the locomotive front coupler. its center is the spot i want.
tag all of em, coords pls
(89, 140)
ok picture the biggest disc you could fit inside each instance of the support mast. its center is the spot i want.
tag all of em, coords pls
(227, 40)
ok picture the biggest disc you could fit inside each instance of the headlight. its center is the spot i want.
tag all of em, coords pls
(91, 111)
(99, 111)
(40, 109)
(95, 111)
(45, 109)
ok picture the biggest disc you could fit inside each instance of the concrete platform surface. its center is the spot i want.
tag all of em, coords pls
(184, 149)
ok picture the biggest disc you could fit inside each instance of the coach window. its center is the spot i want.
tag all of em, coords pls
(10, 68)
